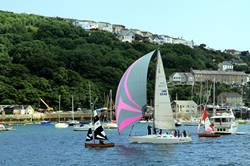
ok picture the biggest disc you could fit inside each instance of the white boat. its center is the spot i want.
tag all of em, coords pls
(131, 102)
(61, 125)
(110, 125)
(4, 128)
(160, 139)
(73, 122)
(146, 121)
(224, 121)
(84, 127)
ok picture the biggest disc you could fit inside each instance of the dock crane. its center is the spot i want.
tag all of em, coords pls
(48, 107)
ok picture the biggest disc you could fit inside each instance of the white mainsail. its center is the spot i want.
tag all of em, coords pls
(163, 115)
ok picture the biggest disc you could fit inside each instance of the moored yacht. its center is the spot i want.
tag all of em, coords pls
(224, 121)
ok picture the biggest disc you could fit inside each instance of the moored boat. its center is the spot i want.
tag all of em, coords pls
(224, 121)
(83, 127)
(5, 128)
(61, 125)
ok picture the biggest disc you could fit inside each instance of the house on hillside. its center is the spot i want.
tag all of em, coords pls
(184, 106)
(225, 66)
(226, 77)
(180, 78)
(17, 109)
(232, 52)
(182, 41)
(229, 99)
(166, 39)
(117, 28)
(87, 25)
(104, 26)
(126, 35)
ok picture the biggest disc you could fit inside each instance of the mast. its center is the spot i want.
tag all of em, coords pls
(59, 107)
(90, 103)
(72, 107)
(110, 104)
(214, 97)
(59, 101)
(199, 113)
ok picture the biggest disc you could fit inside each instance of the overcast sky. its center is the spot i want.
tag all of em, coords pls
(221, 24)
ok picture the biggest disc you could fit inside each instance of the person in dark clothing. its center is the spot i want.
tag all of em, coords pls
(184, 133)
(178, 133)
(160, 131)
(149, 129)
(175, 133)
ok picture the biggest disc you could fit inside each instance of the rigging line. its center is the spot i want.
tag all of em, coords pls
(131, 130)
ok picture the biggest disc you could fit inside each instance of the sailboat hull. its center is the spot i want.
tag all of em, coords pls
(207, 134)
(106, 145)
(159, 139)
(110, 126)
(61, 125)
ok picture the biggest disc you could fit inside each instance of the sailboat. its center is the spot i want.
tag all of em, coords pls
(99, 134)
(85, 127)
(131, 102)
(5, 128)
(73, 122)
(208, 127)
(60, 124)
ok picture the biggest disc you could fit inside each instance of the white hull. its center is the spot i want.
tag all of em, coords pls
(224, 122)
(146, 121)
(73, 122)
(159, 139)
(7, 129)
(61, 125)
(110, 125)
(226, 128)
(83, 128)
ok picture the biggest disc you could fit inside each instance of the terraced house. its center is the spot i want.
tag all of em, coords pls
(226, 77)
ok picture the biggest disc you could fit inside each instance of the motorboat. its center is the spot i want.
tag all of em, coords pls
(224, 121)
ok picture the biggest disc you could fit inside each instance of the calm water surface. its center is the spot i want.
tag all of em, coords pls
(45, 145)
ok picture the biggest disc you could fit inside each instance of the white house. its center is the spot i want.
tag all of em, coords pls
(126, 36)
(182, 41)
(29, 110)
(104, 26)
(87, 24)
(180, 78)
(225, 66)
(184, 106)
(136, 31)
(166, 39)
(156, 39)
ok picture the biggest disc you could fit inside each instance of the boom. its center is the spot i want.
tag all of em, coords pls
(48, 107)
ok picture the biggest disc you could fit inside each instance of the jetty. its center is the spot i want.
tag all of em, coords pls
(51, 116)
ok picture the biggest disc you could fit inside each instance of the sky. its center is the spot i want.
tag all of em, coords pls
(220, 24)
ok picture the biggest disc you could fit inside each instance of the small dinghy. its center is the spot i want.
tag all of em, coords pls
(99, 138)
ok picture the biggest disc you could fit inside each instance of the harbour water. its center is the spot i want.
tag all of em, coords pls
(37, 145)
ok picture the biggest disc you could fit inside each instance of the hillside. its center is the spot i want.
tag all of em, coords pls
(44, 57)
